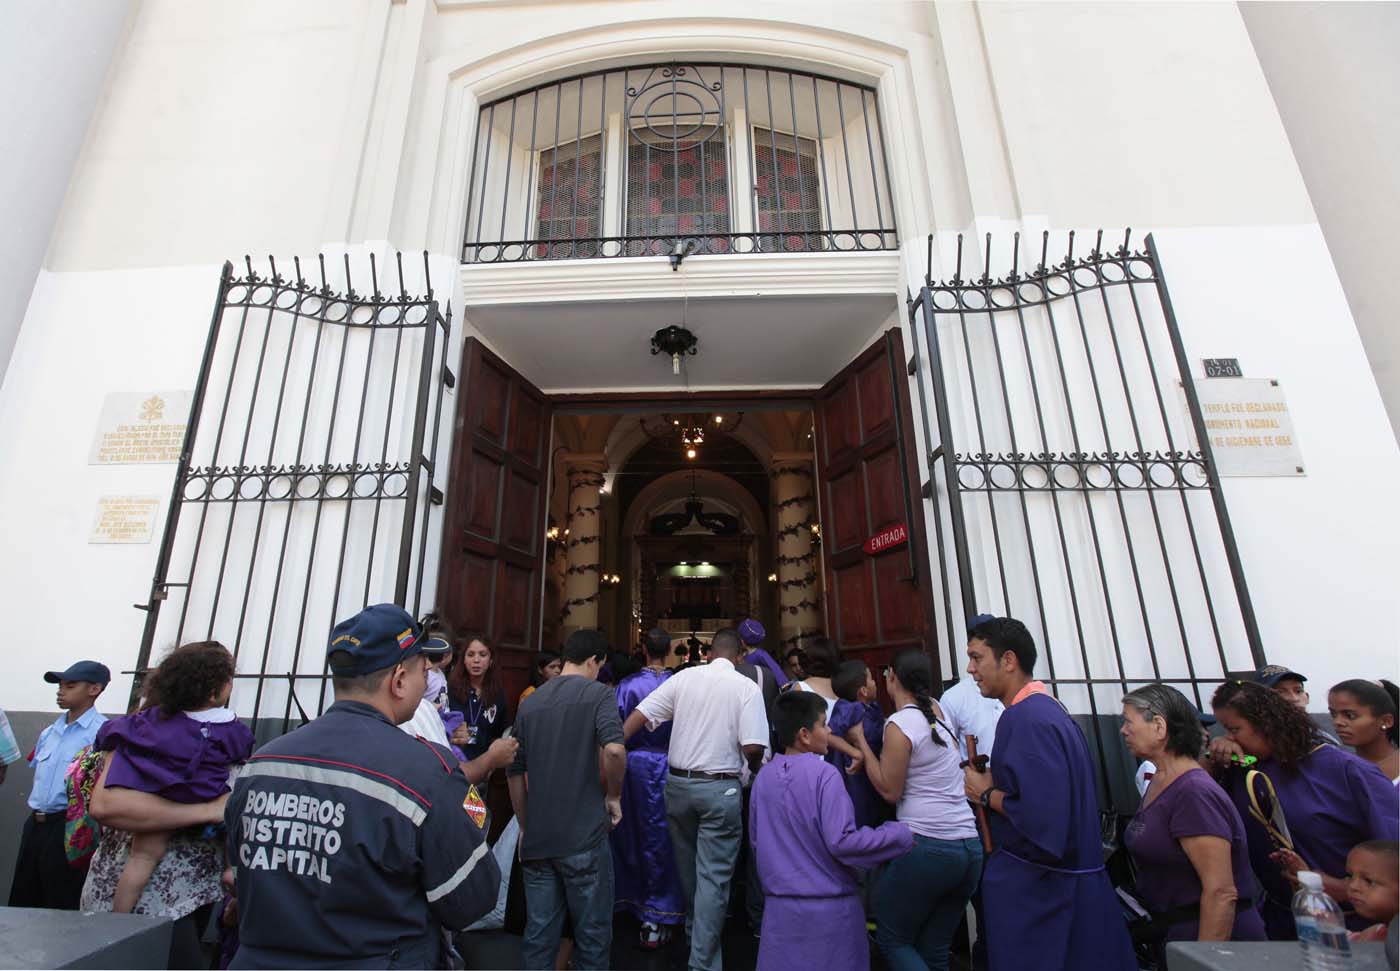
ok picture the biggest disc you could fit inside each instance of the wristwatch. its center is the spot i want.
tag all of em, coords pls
(986, 798)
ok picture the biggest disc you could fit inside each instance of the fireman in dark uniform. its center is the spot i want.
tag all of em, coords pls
(354, 844)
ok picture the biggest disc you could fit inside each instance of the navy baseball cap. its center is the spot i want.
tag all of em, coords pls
(978, 621)
(93, 671)
(377, 637)
(1272, 674)
(436, 645)
(751, 632)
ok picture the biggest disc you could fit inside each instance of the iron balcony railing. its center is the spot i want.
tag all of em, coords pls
(674, 158)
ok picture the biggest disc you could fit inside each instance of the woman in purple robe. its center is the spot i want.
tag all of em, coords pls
(1327, 800)
(645, 879)
(809, 849)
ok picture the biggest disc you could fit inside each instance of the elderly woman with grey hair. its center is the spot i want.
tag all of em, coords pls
(1187, 840)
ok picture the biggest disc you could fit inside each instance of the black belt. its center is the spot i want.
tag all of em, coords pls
(713, 776)
(57, 817)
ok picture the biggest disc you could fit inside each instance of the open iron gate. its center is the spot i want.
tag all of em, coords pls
(304, 488)
(1079, 494)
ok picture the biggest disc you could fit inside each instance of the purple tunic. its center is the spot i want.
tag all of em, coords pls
(1332, 800)
(1048, 902)
(646, 882)
(757, 655)
(870, 809)
(809, 853)
(1193, 805)
(179, 758)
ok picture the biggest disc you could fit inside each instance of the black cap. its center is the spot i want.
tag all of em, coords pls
(1272, 674)
(377, 637)
(93, 671)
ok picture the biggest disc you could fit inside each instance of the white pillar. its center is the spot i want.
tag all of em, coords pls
(583, 520)
(799, 607)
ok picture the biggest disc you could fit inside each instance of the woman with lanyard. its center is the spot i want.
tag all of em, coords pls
(1187, 839)
(921, 897)
(1305, 804)
(474, 689)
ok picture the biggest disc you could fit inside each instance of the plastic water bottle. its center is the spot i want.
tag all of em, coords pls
(1321, 929)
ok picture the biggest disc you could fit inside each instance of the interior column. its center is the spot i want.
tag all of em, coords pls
(799, 605)
(583, 521)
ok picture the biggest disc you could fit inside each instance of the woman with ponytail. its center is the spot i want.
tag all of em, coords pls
(1364, 714)
(921, 897)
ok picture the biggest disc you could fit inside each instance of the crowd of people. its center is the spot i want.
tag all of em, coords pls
(847, 809)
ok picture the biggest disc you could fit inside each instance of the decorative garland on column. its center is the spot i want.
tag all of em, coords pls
(804, 581)
(795, 500)
(792, 529)
(800, 606)
(583, 568)
(801, 558)
(570, 604)
(791, 470)
(582, 541)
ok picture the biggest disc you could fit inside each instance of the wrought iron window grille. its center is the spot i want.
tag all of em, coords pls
(718, 158)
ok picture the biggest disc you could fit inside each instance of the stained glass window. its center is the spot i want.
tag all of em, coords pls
(676, 187)
(568, 203)
(788, 192)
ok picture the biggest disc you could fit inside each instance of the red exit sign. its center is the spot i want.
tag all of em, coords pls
(885, 539)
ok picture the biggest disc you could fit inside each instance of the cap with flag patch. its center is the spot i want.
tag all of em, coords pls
(377, 637)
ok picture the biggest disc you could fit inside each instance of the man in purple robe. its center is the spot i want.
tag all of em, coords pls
(1048, 901)
(644, 867)
(809, 849)
(751, 632)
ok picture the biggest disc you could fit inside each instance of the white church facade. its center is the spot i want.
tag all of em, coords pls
(1009, 308)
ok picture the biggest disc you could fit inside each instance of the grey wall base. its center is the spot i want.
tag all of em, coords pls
(1249, 955)
(68, 939)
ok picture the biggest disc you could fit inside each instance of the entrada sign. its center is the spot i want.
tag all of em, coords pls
(896, 535)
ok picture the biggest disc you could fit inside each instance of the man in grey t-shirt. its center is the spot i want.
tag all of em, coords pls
(564, 813)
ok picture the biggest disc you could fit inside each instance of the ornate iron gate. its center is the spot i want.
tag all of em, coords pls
(1081, 493)
(304, 488)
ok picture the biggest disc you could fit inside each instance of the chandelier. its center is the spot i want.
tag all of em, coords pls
(688, 432)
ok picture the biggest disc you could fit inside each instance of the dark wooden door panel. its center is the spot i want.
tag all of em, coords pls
(878, 604)
(493, 533)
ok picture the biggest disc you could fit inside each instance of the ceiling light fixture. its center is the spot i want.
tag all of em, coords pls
(675, 341)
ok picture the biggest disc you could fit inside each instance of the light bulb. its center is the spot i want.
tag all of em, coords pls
(675, 364)
(690, 453)
(719, 419)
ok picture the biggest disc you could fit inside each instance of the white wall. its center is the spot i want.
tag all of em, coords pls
(262, 127)
(53, 59)
(1333, 71)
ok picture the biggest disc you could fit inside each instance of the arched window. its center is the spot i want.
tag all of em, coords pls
(710, 158)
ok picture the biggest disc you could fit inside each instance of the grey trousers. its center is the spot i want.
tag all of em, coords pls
(705, 818)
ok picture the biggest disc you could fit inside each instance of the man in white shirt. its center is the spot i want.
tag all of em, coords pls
(967, 712)
(718, 725)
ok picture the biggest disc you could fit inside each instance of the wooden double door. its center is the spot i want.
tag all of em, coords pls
(878, 595)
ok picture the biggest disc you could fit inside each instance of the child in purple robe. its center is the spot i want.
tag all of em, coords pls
(809, 849)
(182, 748)
(856, 705)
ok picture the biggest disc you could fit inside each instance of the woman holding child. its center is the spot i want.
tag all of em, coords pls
(921, 897)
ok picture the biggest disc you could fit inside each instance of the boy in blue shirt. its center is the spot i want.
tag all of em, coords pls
(43, 877)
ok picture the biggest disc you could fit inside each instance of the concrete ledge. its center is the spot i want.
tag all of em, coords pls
(1274, 955)
(70, 939)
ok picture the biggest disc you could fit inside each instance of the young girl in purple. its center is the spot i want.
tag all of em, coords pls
(1331, 800)
(856, 705)
(180, 748)
(1187, 839)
